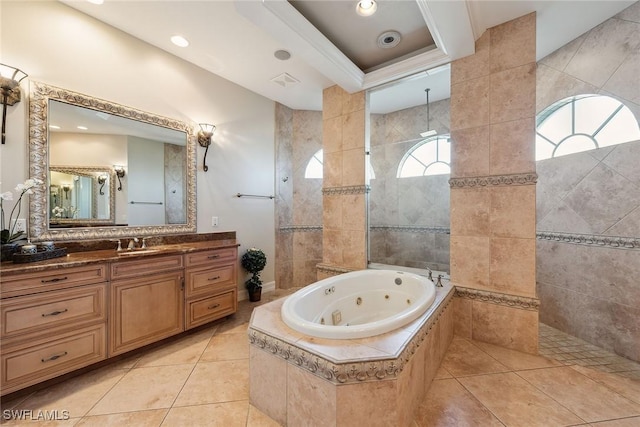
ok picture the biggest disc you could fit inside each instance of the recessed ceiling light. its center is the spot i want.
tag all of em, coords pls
(54, 127)
(82, 127)
(282, 54)
(179, 41)
(96, 1)
(366, 7)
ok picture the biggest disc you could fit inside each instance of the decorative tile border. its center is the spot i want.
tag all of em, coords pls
(332, 269)
(349, 372)
(353, 189)
(300, 228)
(524, 303)
(412, 229)
(494, 180)
(592, 240)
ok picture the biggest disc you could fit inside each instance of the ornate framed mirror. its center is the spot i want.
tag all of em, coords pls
(145, 162)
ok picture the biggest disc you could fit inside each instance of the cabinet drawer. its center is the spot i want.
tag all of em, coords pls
(211, 256)
(49, 357)
(207, 280)
(212, 308)
(41, 281)
(51, 311)
(144, 266)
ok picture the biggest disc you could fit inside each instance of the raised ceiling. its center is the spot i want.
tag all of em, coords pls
(237, 39)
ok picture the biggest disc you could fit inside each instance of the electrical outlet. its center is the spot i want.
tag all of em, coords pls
(20, 225)
(214, 221)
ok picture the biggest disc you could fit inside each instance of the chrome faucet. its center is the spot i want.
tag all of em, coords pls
(132, 243)
(439, 281)
(430, 276)
(119, 248)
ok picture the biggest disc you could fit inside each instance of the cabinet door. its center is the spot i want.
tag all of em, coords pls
(145, 310)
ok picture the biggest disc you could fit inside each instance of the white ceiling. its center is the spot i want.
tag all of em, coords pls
(237, 39)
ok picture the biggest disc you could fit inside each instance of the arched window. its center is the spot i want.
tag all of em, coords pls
(431, 156)
(582, 123)
(314, 167)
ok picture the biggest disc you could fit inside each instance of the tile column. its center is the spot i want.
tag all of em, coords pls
(344, 191)
(493, 178)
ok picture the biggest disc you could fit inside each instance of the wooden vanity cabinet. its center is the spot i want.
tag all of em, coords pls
(211, 288)
(51, 323)
(59, 319)
(147, 301)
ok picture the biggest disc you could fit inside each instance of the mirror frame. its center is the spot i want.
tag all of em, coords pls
(40, 94)
(89, 171)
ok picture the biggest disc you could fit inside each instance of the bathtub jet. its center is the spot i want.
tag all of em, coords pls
(360, 304)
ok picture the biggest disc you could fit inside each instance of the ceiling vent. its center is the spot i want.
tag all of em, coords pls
(285, 80)
(389, 39)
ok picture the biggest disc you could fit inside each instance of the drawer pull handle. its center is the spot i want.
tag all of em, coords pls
(211, 307)
(54, 357)
(214, 278)
(214, 256)
(56, 279)
(55, 313)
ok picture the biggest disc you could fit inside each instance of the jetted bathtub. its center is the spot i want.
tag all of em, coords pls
(358, 304)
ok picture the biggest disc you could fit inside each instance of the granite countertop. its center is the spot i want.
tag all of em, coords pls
(91, 255)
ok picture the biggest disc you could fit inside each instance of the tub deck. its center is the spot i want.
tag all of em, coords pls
(379, 380)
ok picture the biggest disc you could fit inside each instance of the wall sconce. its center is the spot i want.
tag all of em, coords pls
(66, 188)
(102, 179)
(119, 170)
(10, 79)
(204, 139)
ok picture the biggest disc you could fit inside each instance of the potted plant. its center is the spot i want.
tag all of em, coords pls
(254, 261)
(9, 233)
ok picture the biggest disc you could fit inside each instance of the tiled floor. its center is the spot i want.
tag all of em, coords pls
(202, 380)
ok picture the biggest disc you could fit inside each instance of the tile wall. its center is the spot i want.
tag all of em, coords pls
(409, 217)
(344, 141)
(493, 96)
(587, 281)
(299, 200)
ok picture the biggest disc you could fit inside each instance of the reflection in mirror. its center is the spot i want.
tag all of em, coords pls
(409, 179)
(80, 196)
(148, 159)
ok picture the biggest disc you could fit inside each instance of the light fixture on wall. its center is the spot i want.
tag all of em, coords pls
(10, 78)
(66, 188)
(204, 139)
(429, 132)
(366, 7)
(119, 170)
(102, 180)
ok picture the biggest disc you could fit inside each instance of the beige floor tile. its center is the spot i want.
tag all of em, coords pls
(77, 395)
(463, 358)
(516, 402)
(36, 422)
(622, 422)
(227, 346)
(186, 350)
(151, 418)
(627, 387)
(240, 328)
(216, 382)
(515, 360)
(442, 373)
(586, 398)
(257, 418)
(447, 403)
(230, 414)
(144, 388)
